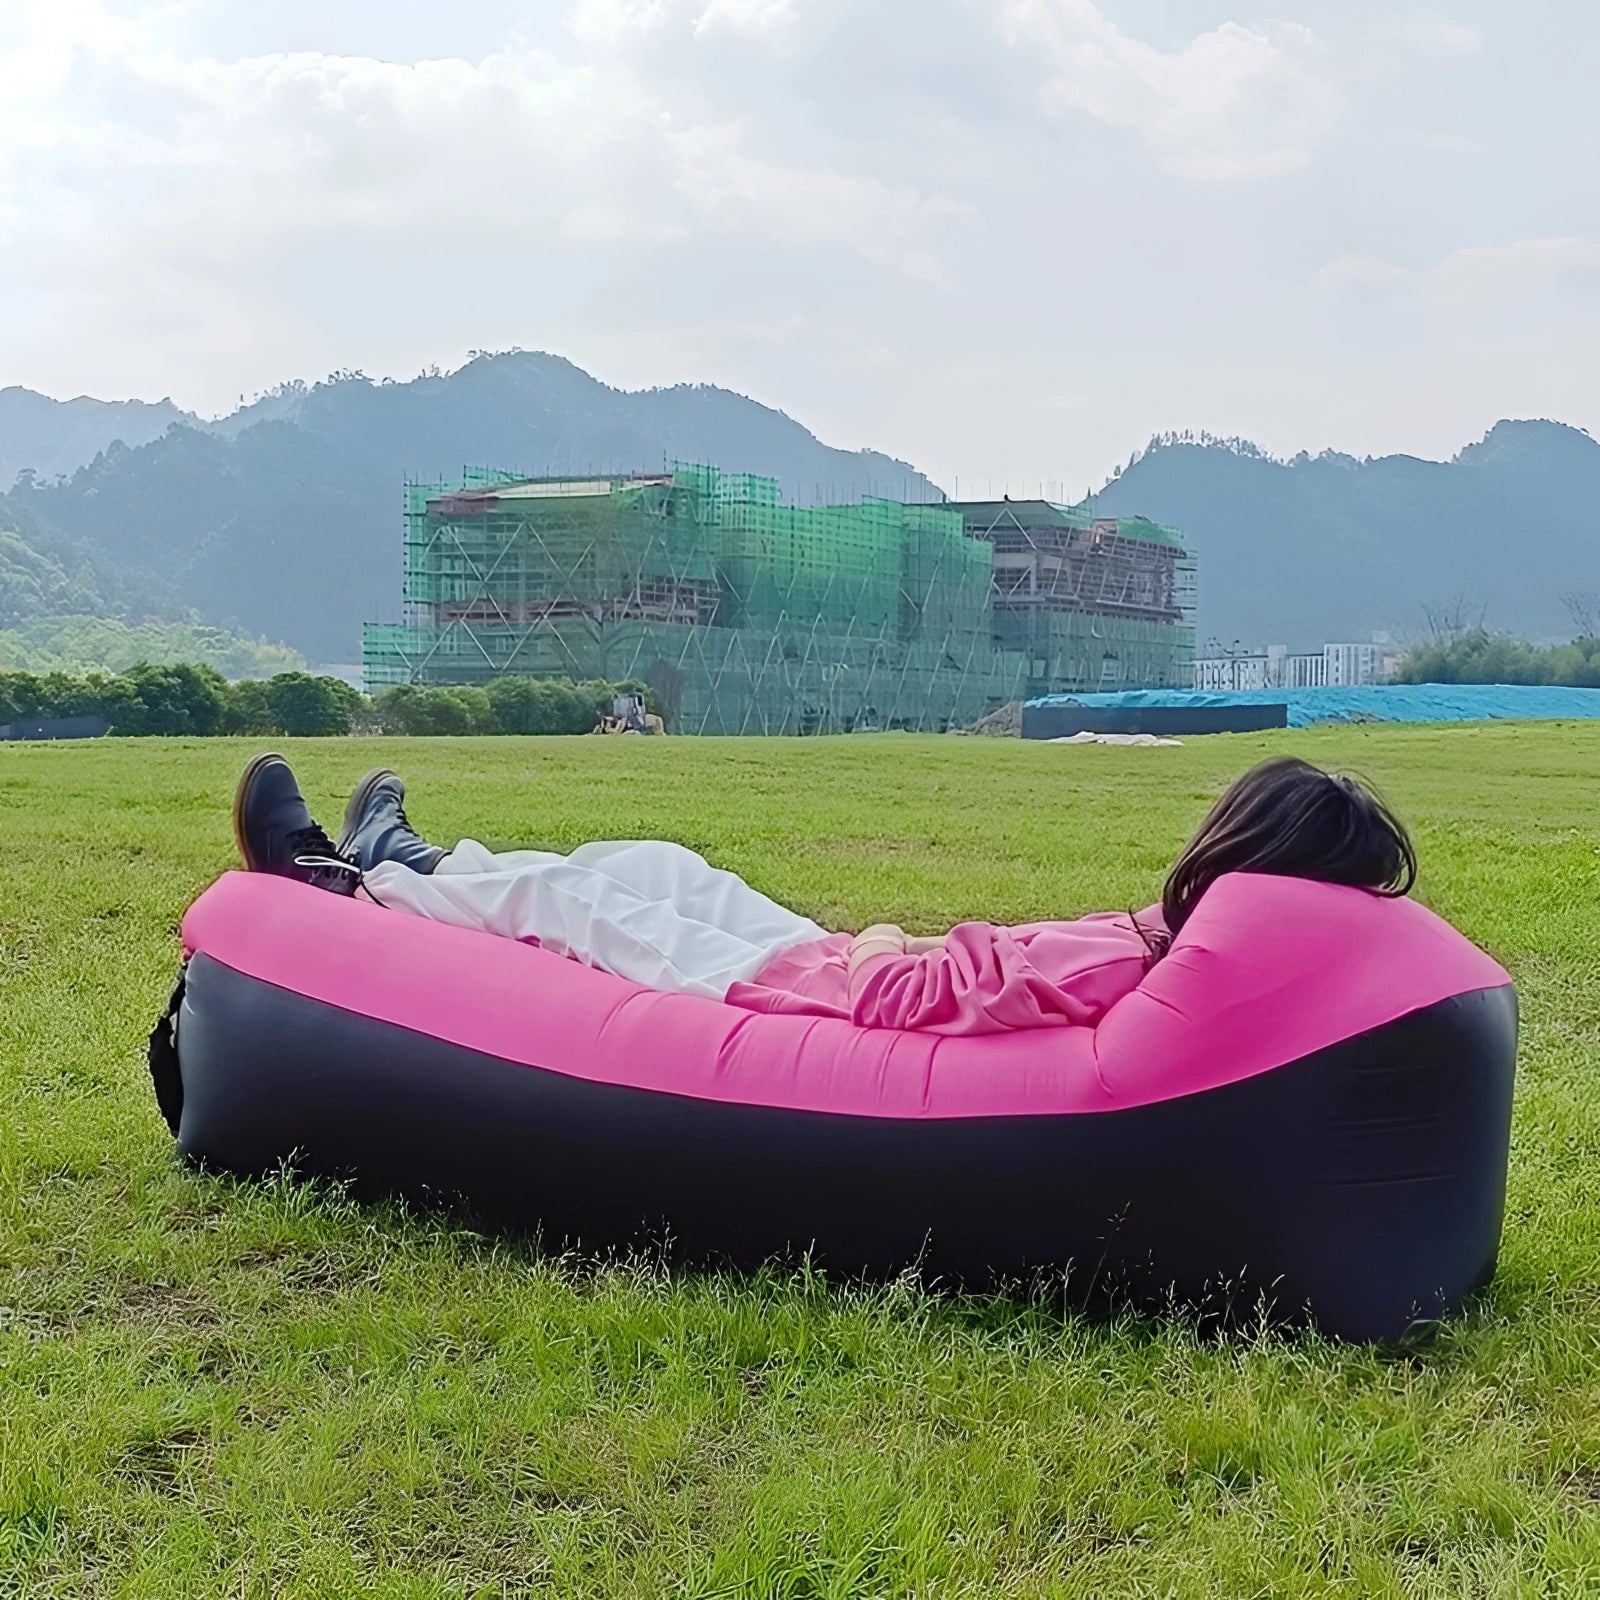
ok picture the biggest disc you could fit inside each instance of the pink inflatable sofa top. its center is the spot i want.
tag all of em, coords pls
(1268, 970)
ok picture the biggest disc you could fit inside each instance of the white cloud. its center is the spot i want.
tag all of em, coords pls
(36, 64)
(513, 147)
(1363, 273)
(1476, 275)
(902, 220)
(1432, 34)
(1485, 272)
(1236, 102)
(162, 207)
(612, 21)
(607, 21)
(1444, 143)
(892, 224)
(755, 17)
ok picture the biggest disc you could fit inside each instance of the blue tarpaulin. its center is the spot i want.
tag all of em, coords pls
(1397, 702)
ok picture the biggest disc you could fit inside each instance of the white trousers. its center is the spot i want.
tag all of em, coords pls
(652, 912)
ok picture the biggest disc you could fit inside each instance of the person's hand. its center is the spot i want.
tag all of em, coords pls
(881, 939)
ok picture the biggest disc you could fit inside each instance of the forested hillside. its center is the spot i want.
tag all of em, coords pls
(284, 519)
(1331, 547)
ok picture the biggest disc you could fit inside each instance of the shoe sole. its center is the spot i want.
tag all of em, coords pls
(241, 795)
(357, 804)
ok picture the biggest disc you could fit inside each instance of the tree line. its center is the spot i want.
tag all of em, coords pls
(197, 701)
(1479, 656)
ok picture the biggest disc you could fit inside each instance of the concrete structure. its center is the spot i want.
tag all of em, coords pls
(746, 615)
(1275, 667)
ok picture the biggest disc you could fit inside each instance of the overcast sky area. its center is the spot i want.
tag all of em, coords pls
(1005, 239)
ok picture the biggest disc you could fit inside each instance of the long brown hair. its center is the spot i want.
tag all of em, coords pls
(1294, 820)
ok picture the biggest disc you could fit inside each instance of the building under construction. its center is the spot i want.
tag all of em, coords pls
(746, 615)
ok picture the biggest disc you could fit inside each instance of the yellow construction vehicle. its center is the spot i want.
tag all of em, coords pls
(628, 715)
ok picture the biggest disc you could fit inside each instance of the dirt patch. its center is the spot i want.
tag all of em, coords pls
(1004, 723)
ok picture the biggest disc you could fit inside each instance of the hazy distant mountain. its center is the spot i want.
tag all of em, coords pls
(57, 436)
(529, 411)
(1330, 547)
(284, 519)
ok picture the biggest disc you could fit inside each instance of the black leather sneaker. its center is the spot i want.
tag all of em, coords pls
(276, 832)
(376, 828)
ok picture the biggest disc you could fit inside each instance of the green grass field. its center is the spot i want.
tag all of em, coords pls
(213, 1389)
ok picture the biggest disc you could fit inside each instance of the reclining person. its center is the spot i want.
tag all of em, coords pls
(663, 917)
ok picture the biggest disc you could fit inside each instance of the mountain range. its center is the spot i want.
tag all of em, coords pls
(1332, 547)
(283, 519)
(52, 437)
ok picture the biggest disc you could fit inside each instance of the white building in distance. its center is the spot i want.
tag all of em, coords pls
(1275, 667)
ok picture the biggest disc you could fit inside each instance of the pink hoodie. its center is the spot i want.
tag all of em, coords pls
(985, 979)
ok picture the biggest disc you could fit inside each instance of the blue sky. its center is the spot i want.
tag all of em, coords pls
(1007, 240)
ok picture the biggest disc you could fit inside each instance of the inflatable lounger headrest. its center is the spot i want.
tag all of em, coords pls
(1304, 1107)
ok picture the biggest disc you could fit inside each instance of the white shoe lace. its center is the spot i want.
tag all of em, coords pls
(328, 864)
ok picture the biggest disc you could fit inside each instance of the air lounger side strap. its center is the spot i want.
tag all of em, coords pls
(164, 1070)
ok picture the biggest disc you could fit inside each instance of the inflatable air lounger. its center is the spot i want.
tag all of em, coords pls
(1305, 1106)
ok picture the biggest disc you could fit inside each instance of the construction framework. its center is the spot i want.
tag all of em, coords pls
(1090, 602)
(747, 615)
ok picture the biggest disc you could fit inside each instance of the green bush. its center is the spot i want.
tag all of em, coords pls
(535, 705)
(166, 700)
(548, 705)
(408, 709)
(311, 707)
(187, 699)
(1478, 656)
(507, 705)
(249, 709)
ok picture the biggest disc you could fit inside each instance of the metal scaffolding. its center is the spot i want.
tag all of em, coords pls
(1090, 602)
(748, 615)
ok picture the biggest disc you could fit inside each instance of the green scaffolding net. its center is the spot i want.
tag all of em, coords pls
(746, 615)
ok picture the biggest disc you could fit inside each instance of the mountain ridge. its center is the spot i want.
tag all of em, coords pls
(1307, 549)
(54, 438)
(51, 437)
(282, 520)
